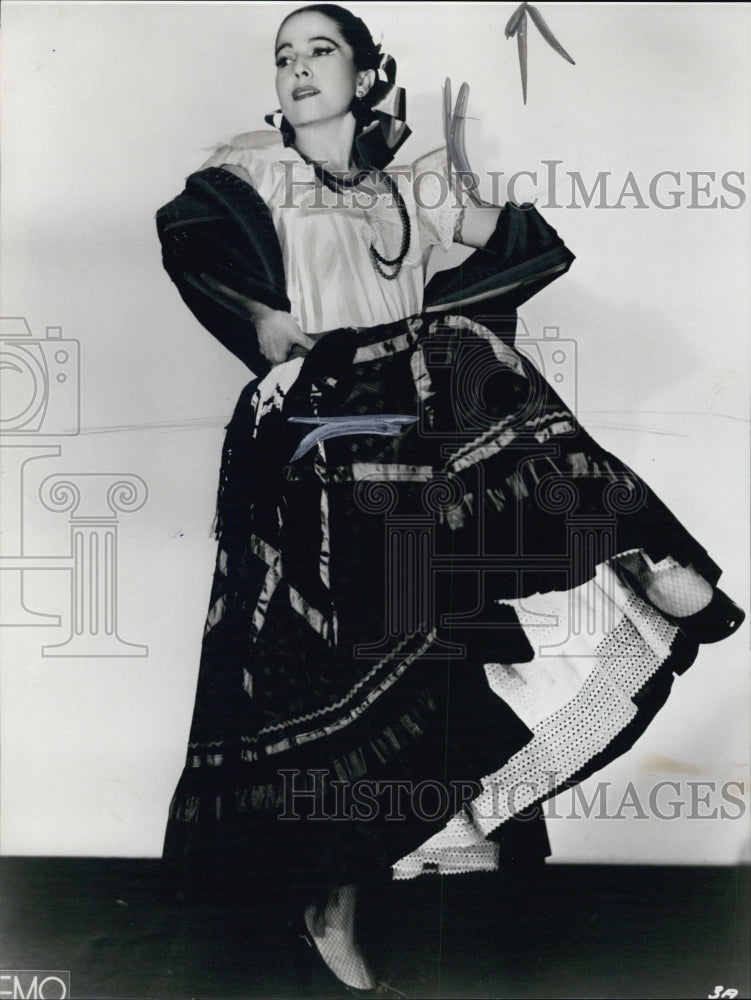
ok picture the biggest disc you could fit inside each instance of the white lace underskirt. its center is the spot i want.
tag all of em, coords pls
(595, 647)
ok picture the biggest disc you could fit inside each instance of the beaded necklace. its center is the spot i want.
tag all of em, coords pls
(388, 268)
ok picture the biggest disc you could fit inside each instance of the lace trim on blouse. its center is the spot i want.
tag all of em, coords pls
(439, 212)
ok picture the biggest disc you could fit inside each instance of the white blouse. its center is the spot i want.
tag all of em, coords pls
(325, 236)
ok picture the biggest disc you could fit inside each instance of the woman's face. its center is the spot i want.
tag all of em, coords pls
(316, 77)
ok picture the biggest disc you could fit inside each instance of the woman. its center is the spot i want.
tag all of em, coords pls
(403, 499)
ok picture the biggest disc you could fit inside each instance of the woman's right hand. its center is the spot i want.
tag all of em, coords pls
(279, 335)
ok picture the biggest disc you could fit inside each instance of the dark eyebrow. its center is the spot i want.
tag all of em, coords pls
(315, 38)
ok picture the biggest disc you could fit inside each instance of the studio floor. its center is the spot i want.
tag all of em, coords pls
(566, 932)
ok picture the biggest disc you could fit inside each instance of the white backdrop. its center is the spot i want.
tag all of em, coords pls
(106, 109)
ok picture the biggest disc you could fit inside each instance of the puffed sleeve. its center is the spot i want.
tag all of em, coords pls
(258, 154)
(437, 206)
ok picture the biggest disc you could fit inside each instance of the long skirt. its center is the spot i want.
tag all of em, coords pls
(436, 602)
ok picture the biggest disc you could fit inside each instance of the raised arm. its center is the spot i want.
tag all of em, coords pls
(477, 224)
(220, 248)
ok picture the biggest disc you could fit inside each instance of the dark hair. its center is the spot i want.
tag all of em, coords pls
(355, 32)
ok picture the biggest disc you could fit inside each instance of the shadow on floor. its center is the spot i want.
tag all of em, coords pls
(563, 932)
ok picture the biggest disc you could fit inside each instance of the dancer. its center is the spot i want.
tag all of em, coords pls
(403, 499)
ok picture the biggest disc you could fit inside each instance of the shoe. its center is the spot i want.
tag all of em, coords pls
(715, 622)
(310, 965)
(719, 619)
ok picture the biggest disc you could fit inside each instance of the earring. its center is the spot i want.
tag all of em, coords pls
(359, 108)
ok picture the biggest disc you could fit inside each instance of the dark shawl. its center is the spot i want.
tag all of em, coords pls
(220, 227)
